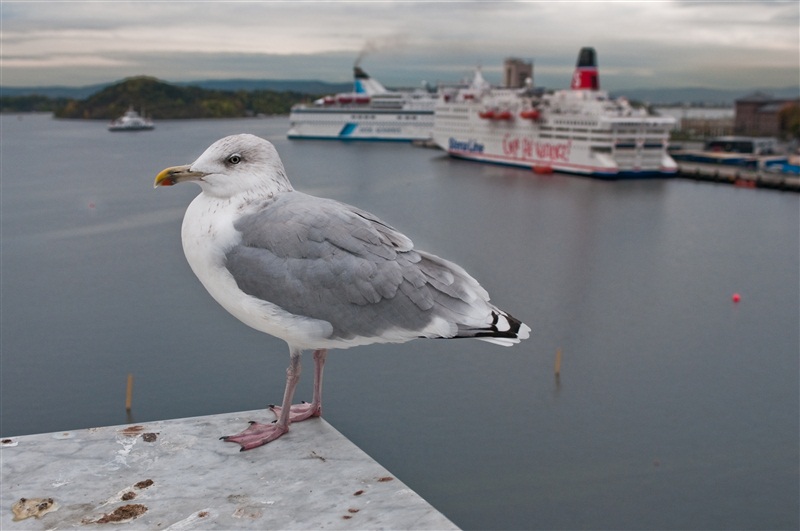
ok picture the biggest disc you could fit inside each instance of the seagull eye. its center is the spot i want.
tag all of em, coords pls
(234, 159)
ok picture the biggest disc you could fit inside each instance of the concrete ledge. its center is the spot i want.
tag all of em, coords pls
(178, 475)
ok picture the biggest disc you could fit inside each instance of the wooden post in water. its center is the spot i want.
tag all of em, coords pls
(557, 368)
(129, 393)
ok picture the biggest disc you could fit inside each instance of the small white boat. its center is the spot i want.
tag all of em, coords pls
(131, 121)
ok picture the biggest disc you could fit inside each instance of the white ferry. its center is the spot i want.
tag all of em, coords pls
(131, 121)
(370, 112)
(580, 130)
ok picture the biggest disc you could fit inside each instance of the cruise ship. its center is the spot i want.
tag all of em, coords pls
(369, 112)
(581, 130)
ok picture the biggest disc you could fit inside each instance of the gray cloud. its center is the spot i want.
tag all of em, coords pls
(640, 44)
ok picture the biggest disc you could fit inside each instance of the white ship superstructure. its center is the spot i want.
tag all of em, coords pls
(131, 121)
(581, 130)
(370, 112)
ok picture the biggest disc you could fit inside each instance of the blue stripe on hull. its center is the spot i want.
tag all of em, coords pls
(348, 129)
(350, 138)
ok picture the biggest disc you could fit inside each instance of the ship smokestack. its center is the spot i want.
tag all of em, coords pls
(359, 73)
(586, 76)
(363, 84)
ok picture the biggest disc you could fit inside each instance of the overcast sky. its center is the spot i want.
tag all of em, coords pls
(639, 44)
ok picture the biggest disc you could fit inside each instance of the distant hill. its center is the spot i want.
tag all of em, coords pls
(54, 92)
(162, 100)
(314, 87)
(655, 96)
(701, 96)
(301, 86)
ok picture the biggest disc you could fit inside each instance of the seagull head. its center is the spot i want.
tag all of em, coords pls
(231, 166)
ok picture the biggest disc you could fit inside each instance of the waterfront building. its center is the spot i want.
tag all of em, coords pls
(759, 114)
(516, 72)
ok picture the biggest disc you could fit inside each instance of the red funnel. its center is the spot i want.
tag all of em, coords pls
(586, 76)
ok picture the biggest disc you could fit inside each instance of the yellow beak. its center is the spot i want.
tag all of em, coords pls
(177, 174)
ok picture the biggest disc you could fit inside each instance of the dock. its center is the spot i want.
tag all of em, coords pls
(738, 176)
(177, 475)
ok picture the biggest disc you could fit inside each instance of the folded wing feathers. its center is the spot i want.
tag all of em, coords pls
(332, 253)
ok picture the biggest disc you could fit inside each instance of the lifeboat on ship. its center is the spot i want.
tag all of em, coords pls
(487, 114)
(542, 170)
(503, 115)
(530, 114)
(344, 99)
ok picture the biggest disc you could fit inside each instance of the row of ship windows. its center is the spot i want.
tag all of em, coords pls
(618, 132)
(380, 119)
(570, 124)
(463, 114)
(460, 110)
(647, 131)
(374, 116)
(606, 136)
(622, 149)
(603, 137)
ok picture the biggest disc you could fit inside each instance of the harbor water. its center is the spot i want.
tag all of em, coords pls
(675, 408)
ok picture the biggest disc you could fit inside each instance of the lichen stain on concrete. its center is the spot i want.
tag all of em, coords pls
(149, 437)
(143, 484)
(36, 507)
(126, 513)
(132, 431)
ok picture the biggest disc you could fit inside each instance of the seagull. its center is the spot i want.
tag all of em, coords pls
(315, 272)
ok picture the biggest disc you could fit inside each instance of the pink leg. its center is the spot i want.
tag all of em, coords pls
(304, 411)
(259, 434)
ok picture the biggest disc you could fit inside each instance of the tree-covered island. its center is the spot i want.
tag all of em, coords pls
(159, 100)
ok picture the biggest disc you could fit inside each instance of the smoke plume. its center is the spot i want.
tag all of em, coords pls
(380, 44)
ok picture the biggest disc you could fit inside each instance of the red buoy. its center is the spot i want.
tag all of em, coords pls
(736, 297)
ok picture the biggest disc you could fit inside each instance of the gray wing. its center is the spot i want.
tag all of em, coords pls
(323, 259)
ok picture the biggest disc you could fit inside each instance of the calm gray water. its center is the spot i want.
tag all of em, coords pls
(676, 408)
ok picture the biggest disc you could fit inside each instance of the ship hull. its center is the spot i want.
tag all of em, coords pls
(360, 124)
(544, 169)
(622, 149)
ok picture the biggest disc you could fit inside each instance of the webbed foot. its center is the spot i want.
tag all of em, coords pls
(256, 435)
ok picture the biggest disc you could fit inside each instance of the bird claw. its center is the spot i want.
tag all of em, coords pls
(299, 412)
(256, 435)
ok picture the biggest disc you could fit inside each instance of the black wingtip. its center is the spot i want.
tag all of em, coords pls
(514, 327)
